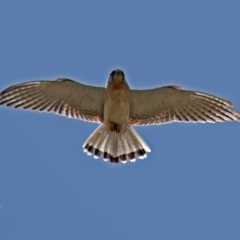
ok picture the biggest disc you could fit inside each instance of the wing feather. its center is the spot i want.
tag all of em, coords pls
(172, 103)
(62, 96)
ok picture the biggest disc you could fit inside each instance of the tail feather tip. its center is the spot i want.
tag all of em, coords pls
(116, 148)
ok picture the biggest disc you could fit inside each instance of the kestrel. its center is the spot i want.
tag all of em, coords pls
(116, 108)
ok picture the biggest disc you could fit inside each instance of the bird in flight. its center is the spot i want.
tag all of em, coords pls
(116, 107)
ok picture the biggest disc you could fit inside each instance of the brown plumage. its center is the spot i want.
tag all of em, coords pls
(116, 108)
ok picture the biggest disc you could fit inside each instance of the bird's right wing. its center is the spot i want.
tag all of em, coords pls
(172, 103)
(62, 96)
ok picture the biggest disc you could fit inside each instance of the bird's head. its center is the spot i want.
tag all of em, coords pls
(116, 75)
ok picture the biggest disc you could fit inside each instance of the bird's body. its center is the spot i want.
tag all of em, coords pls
(115, 139)
(117, 105)
(116, 108)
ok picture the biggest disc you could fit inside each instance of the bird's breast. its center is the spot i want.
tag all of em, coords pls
(117, 105)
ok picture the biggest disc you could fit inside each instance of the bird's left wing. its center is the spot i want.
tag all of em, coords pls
(172, 103)
(62, 96)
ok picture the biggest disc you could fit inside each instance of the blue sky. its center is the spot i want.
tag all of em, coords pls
(187, 188)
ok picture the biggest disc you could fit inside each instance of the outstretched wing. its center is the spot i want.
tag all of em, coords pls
(62, 96)
(172, 103)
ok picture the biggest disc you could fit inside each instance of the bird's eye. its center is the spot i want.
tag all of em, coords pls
(112, 73)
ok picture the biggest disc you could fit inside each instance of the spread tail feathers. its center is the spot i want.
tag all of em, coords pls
(116, 146)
